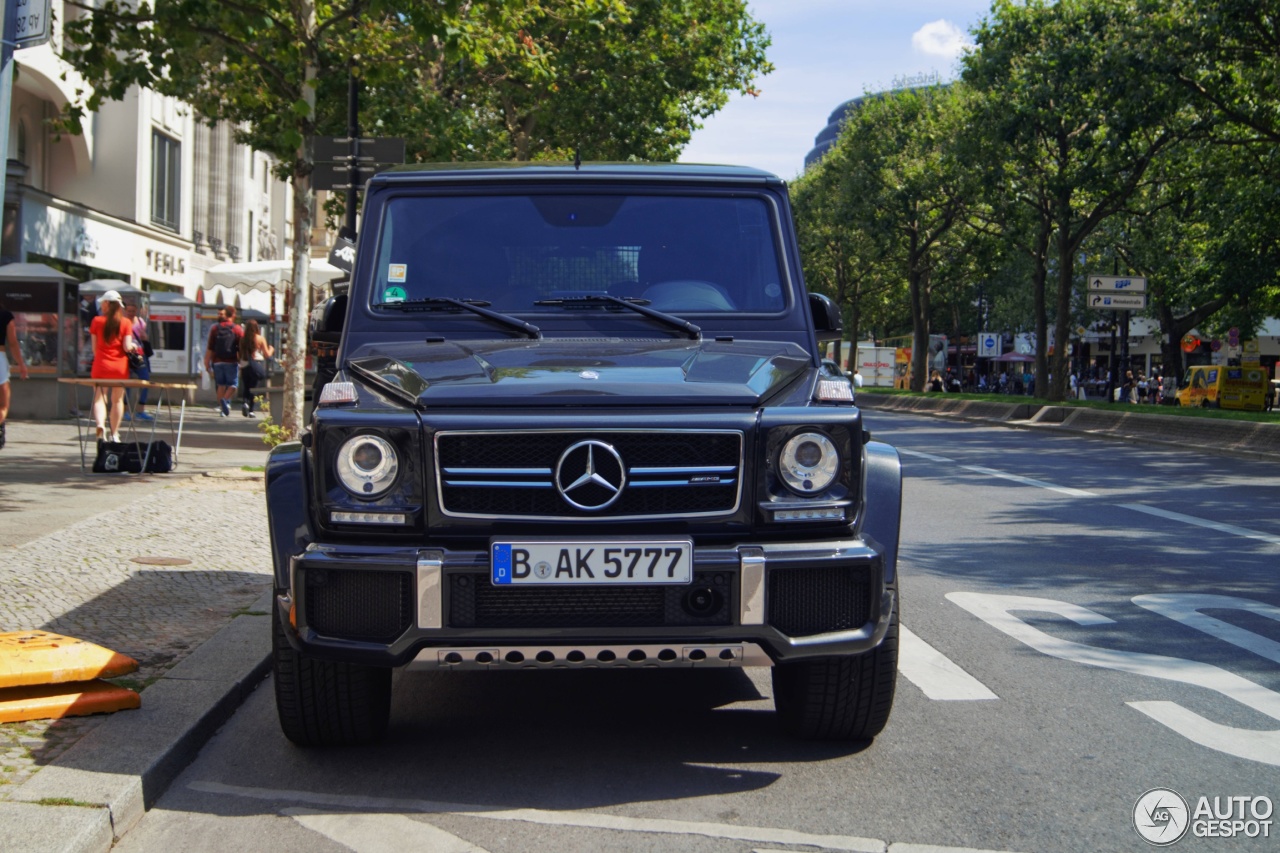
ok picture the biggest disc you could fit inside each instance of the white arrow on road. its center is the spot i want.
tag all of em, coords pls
(1261, 746)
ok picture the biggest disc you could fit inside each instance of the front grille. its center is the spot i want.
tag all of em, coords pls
(803, 602)
(375, 606)
(476, 603)
(670, 474)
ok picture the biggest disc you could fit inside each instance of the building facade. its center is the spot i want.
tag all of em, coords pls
(148, 195)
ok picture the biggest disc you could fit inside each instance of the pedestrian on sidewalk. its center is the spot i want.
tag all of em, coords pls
(254, 352)
(8, 344)
(143, 341)
(222, 356)
(112, 341)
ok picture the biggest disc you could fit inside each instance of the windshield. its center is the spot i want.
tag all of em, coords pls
(680, 254)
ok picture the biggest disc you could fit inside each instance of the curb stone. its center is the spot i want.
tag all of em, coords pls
(1232, 438)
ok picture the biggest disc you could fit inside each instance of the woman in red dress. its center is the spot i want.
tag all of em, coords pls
(112, 340)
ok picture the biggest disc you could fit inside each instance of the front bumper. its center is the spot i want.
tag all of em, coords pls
(756, 604)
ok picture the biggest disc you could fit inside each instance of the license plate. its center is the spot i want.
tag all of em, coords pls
(546, 561)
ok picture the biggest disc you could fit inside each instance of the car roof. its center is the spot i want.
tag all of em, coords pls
(586, 171)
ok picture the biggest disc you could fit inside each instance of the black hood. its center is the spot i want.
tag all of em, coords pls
(558, 372)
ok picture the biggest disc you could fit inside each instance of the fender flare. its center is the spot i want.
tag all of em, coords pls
(287, 519)
(882, 502)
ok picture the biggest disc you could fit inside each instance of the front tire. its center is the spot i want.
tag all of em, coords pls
(323, 703)
(845, 698)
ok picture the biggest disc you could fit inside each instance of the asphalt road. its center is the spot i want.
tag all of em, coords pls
(1086, 622)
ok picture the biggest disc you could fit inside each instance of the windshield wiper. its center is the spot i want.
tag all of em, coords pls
(475, 306)
(640, 306)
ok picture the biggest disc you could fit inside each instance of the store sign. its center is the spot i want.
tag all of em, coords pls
(165, 263)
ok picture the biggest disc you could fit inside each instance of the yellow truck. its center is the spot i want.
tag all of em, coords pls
(1217, 386)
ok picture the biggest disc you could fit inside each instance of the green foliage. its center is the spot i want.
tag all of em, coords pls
(1074, 123)
(272, 432)
(540, 80)
(894, 172)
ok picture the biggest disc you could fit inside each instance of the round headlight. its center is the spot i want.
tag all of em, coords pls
(367, 465)
(808, 463)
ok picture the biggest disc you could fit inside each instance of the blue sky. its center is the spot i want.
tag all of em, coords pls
(825, 52)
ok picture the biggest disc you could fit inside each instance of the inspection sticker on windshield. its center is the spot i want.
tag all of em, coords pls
(601, 563)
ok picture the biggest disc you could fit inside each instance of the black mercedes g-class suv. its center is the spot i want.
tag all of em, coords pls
(580, 418)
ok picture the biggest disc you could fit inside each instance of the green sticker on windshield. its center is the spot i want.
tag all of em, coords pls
(394, 294)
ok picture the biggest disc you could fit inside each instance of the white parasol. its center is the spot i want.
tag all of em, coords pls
(245, 276)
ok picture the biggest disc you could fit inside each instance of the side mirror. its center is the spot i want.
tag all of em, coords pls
(827, 321)
(327, 319)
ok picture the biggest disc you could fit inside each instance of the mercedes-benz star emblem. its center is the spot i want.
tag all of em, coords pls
(590, 475)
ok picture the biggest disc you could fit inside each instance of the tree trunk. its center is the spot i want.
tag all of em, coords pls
(299, 294)
(299, 301)
(918, 284)
(1056, 391)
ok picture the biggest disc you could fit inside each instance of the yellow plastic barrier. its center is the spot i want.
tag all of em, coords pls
(38, 657)
(54, 701)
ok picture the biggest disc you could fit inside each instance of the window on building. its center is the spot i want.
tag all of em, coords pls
(166, 180)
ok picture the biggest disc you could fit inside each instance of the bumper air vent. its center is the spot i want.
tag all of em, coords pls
(372, 606)
(803, 602)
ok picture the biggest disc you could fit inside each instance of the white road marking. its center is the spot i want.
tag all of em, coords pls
(1027, 481)
(579, 819)
(992, 472)
(935, 848)
(1185, 608)
(1204, 522)
(1261, 746)
(937, 676)
(381, 833)
(1232, 529)
(923, 455)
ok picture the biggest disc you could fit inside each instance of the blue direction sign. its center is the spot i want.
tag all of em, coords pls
(1124, 284)
(1117, 301)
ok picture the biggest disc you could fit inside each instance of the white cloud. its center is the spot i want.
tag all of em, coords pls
(941, 38)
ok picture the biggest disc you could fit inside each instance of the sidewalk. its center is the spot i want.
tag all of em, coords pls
(171, 569)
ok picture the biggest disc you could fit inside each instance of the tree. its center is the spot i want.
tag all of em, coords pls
(612, 80)
(1075, 125)
(840, 258)
(256, 65)
(460, 80)
(1226, 53)
(1209, 243)
(901, 181)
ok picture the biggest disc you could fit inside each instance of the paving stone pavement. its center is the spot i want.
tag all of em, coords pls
(153, 577)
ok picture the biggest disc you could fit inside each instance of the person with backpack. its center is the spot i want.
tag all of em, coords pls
(222, 356)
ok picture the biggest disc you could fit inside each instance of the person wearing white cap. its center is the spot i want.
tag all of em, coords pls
(112, 341)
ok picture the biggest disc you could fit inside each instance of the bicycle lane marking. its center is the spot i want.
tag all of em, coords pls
(1255, 745)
